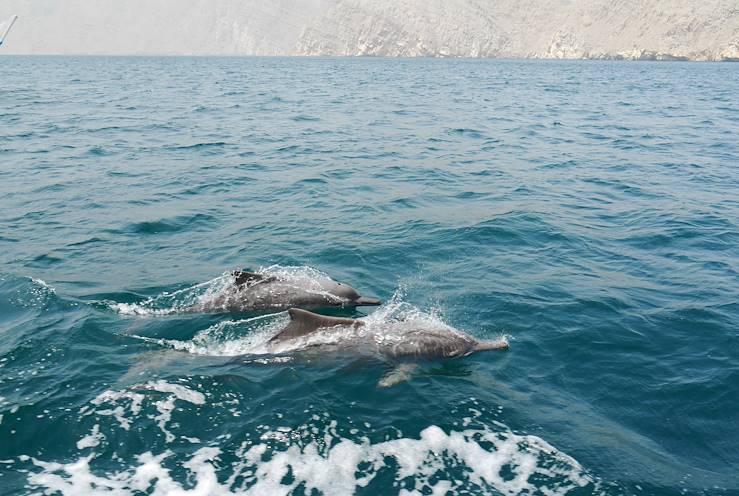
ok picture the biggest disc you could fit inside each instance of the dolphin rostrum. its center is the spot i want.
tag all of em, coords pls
(401, 343)
(251, 292)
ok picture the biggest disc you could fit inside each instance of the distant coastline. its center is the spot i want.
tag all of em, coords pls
(645, 57)
(681, 30)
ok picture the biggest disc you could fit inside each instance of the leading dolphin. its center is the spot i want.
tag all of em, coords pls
(251, 292)
(401, 342)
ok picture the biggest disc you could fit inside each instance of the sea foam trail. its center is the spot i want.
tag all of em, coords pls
(230, 337)
(483, 455)
(206, 293)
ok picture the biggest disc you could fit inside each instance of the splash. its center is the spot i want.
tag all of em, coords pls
(229, 338)
(43, 284)
(37, 294)
(169, 303)
(208, 293)
(318, 456)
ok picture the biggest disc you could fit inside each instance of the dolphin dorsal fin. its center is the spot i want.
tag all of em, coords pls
(249, 278)
(303, 322)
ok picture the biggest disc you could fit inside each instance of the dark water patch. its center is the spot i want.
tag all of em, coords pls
(170, 225)
(305, 118)
(208, 147)
(98, 152)
(51, 188)
(399, 204)
(470, 195)
(125, 173)
(88, 241)
(217, 187)
(159, 127)
(310, 182)
(44, 260)
(467, 132)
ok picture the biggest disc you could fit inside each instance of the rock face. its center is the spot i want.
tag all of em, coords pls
(557, 29)
(404, 28)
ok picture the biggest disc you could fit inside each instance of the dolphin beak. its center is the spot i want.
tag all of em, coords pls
(367, 301)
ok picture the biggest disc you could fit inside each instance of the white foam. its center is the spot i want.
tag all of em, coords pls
(175, 302)
(481, 459)
(127, 404)
(178, 390)
(140, 309)
(44, 284)
(119, 412)
(230, 337)
(91, 440)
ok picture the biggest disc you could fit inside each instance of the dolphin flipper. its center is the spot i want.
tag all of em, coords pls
(303, 322)
(400, 373)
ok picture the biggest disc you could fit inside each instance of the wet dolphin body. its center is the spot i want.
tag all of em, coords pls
(405, 343)
(256, 292)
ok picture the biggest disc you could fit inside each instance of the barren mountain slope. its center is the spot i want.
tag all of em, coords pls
(632, 29)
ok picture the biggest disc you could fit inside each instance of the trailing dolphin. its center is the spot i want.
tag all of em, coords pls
(402, 342)
(252, 292)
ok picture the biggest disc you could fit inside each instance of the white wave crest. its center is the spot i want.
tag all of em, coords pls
(282, 460)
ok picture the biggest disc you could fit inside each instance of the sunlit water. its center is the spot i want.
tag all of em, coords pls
(585, 211)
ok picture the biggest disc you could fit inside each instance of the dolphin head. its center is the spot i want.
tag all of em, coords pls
(348, 293)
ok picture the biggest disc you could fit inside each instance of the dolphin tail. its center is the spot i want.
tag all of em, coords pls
(491, 345)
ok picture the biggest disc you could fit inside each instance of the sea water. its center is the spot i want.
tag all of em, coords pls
(587, 212)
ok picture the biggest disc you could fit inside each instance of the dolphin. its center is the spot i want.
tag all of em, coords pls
(252, 292)
(411, 342)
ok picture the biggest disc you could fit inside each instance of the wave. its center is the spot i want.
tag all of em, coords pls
(323, 455)
(26, 292)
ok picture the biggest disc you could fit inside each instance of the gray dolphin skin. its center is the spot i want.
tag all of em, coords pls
(253, 292)
(404, 343)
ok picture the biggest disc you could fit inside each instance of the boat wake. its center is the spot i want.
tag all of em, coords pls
(322, 454)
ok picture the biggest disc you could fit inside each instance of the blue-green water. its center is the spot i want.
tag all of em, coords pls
(587, 211)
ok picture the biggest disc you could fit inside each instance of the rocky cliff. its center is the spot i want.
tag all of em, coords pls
(558, 29)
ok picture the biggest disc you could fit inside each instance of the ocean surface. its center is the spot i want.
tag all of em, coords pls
(587, 212)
